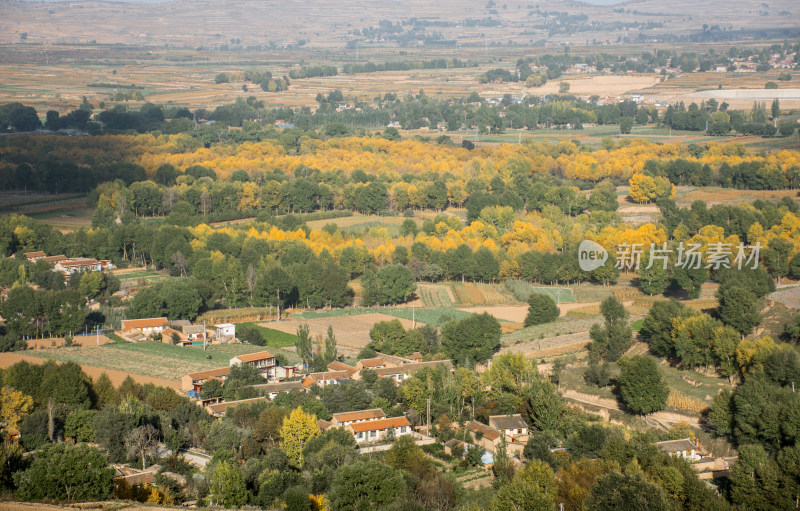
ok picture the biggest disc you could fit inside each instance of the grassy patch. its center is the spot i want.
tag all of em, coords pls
(431, 316)
(273, 338)
(591, 293)
(152, 359)
(562, 326)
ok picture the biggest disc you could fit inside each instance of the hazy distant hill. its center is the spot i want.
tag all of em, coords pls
(325, 23)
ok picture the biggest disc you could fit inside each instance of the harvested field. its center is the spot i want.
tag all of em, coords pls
(117, 377)
(538, 348)
(513, 313)
(712, 195)
(78, 340)
(609, 85)
(351, 331)
(470, 293)
(789, 296)
(564, 326)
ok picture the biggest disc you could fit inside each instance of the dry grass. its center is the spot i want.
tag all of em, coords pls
(681, 401)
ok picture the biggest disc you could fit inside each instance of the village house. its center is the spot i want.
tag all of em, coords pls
(485, 436)
(370, 363)
(219, 409)
(194, 332)
(401, 373)
(148, 326)
(512, 426)
(271, 390)
(34, 256)
(169, 336)
(340, 366)
(346, 418)
(683, 448)
(379, 429)
(70, 266)
(285, 372)
(325, 378)
(194, 381)
(263, 360)
(225, 332)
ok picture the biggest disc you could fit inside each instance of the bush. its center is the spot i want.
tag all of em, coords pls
(541, 309)
(66, 473)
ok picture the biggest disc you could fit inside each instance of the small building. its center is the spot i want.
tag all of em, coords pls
(226, 332)
(219, 409)
(346, 418)
(683, 448)
(271, 390)
(195, 332)
(340, 366)
(195, 381)
(70, 266)
(512, 426)
(172, 336)
(325, 378)
(263, 360)
(401, 373)
(377, 430)
(148, 326)
(35, 256)
(485, 436)
(285, 372)
(370, 363)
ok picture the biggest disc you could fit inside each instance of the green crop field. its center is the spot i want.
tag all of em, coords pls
(152, 359)
(272, 338)
(431, 316)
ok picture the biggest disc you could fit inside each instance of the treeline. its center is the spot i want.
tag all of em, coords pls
(406, 65)
(312, 72)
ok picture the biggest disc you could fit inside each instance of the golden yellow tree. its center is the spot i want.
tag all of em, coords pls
(298, 428)
(14, 407)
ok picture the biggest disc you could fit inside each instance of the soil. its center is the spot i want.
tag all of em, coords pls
(350, 331)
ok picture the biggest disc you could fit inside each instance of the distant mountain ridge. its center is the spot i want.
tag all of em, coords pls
(326, 24)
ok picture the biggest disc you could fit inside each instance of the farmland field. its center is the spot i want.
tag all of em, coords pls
(434, 295)
(151, 359)
(351, 331)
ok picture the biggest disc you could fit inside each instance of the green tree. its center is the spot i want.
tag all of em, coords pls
(367, 485)
(304, 345)
(395, 284)
(532, 489)
(737, 308)
(66, 473)
(641, 386)
(227, 487)
(79, 425)
(541, 309)
(330, 353)
(474, 338)
(631, 492)
(653, 280)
